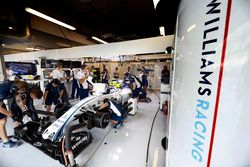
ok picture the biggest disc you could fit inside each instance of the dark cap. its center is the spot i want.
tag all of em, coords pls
(56, 81)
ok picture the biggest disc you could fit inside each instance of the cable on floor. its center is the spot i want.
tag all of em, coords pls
(151, 130)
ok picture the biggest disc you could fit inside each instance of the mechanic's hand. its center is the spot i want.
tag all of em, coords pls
(17, 124)
(10, 115)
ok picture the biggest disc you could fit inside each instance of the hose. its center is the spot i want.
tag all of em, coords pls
(68, 132)
(63, 152)
(151, 130)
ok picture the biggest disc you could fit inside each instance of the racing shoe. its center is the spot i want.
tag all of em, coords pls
(10, 144)
(148, 100)
(118, 125)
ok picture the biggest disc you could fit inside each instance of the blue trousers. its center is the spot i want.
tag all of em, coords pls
(74, 89)
(104, 81)
(83, 93)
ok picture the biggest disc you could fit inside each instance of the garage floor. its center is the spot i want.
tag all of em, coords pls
(123, 147)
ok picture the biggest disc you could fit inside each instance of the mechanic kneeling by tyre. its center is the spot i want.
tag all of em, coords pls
(116, 115)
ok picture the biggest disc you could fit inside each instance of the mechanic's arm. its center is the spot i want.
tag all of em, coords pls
(21, 102)
(5, 112)
(61, 94)
(81, 80)
(64, 77)
(103, 105)
(45, 95)
(133, 85)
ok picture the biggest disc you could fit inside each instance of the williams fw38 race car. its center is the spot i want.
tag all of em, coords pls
(66, 137)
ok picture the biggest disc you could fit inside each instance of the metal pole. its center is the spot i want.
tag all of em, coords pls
(2, 64)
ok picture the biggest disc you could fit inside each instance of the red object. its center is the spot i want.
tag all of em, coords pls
(219, 82)
(165, 107)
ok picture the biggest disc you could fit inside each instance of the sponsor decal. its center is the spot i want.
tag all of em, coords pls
(204, 91)
(79, 142)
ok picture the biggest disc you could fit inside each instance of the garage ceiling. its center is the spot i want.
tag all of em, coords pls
(109, 20)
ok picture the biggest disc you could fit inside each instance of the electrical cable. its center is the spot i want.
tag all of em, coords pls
(156, 95)
(151, 130)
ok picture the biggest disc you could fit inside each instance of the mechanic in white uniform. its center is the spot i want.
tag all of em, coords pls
(82, 76)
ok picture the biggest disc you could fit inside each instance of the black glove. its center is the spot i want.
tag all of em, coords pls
(17, 118)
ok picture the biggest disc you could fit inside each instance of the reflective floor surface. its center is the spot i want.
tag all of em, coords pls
(123, 147)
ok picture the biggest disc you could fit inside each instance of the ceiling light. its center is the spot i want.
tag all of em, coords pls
(36, 13)
(10, 28)
(32, 48)
(162, 30)
(98, 39)
(155, 3)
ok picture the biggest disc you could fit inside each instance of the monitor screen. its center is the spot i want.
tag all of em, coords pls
(20, 68)
(76, 64)
(66, 64)
(48, 63)
(67, 72)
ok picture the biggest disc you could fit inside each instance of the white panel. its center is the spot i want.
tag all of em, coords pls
(231, 146)
(200, 38)
(141, 46)
(1, 69)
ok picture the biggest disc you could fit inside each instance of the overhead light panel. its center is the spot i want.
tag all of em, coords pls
(39, 14)
(162, 30)
(155, 3)
(32, 48)
(98, 39)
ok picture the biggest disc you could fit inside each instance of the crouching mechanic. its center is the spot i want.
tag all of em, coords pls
(53, 93)
(23, 102)
(9, 90)
(135, 85)
(115, 111)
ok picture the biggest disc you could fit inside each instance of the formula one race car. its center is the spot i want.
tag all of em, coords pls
(65, 138)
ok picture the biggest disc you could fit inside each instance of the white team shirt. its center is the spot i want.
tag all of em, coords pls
(80, 75)
(57, 74)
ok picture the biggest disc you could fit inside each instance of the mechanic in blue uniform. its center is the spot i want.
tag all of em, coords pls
(9, 90)
(23, 102)
(53, 93)
(144, 79)
(73, 74)
(135, 85)
(6, 92)
(104, 74)
(115, 110)
(59, 73)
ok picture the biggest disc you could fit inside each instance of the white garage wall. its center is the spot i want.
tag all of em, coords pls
(111, 50)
